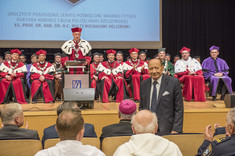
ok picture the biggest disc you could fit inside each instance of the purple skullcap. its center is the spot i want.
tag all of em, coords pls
(214, 47)
(127, 107)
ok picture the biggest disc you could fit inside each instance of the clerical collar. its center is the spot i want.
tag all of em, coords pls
(110, 61)
(42, 62)
(14, 61)
(134, 60)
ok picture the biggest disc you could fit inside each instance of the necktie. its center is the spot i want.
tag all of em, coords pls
(154, 97)
(216, 67)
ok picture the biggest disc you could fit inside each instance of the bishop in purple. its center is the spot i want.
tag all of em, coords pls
(216, 71)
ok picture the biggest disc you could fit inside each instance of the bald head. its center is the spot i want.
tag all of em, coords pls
(144, 122)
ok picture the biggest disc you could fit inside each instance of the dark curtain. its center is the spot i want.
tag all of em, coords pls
(199, 24)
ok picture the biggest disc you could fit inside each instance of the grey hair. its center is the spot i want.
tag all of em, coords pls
(150, 128)
(231, 117)
(9, 112)
(124, 116)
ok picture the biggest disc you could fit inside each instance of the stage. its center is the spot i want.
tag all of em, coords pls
(197, 115)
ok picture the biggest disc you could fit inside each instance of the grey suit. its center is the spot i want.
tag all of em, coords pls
(12, 132)
(169, 106)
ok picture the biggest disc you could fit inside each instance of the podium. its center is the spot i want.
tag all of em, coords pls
(76, 86)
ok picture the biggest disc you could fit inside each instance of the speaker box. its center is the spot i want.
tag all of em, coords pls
(229, 100)
(84, 96)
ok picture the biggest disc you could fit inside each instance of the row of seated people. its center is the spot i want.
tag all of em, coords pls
(141, 126)
(118, 78)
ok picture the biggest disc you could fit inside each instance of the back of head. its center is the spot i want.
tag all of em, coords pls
(9, 112)
(127, 109)
(66, 105)
(69, 123)
(231, 118)
(144, 122)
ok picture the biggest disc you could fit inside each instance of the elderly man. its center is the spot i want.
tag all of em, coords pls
(112, 81)
(127, 109)
(145, 142)
(50, 132)
(189, 72)
(13, 118)
(135, 70)
(42, 77)
(94, 73)
(70, 128)
(168, 66)
(222, 146)
(162, 94)
(77, 49)
(12, 75)
(216, 70)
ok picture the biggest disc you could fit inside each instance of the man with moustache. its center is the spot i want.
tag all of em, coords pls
(162, 94)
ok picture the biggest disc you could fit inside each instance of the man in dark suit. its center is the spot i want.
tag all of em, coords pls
(162, 94)
(127, 109)
(13, 118)
(50, 132)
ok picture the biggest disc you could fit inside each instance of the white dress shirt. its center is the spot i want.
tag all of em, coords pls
(159, 81)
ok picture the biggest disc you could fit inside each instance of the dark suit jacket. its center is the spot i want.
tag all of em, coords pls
(12, 132)
(50, 132)
(123, 128)
(170, 108)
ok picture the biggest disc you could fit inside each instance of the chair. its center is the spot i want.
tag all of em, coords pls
(85, 141)
(20, 147)
(110, 144)
(187, 143)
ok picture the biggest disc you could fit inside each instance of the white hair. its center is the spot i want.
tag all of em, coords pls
(231, 117)
(150, 128)
(9, 112)
(124, 116)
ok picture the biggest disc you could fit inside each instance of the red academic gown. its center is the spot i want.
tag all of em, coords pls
(74, 50)
(93, 73)
(47, 86)
(16, 85)
(136, 75)
(112, 83)
(194, 85)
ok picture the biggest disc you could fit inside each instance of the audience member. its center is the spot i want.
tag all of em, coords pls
(145, 142)
(222, 146)
(12, 119)
(162, 94)
(70, 128)
(127, 109)
(50, 132)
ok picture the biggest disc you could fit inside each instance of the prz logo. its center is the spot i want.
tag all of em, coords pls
(76, 83)
(74, 2)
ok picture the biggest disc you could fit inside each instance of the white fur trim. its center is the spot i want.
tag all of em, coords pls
(101, 68)
(6, 69)
(33, 69)
(69, 45)
(117, 70)
(126, 66)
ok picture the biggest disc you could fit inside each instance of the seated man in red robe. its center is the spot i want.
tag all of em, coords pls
(112, 80)
(42, 78)
(77, 49)
(189, 72)
(94, 73)
(12, 79)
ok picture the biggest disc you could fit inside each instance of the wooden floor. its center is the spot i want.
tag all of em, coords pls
(197, 115)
